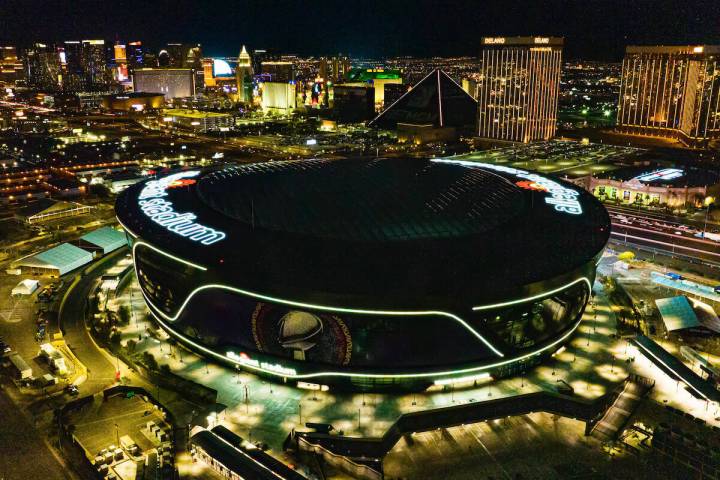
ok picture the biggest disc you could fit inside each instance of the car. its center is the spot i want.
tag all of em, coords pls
(72, 390)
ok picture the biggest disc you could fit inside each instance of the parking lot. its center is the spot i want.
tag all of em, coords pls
(20, 327)
(103, 423)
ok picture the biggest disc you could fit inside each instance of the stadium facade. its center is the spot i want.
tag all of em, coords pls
(366, 274)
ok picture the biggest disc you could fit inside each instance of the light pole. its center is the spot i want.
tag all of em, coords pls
(708, 201)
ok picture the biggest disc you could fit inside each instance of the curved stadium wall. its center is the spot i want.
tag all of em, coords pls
(402, 329)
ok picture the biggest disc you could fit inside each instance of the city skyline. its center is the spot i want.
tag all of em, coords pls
(458, 240)
(592, 30)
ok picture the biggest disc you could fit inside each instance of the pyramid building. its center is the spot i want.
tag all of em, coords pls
(437, 99)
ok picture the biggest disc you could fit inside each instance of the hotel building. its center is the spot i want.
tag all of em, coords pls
(671, 92)
(517, 90)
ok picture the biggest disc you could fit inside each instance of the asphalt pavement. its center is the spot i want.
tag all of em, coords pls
(101, 371)
(24, 454)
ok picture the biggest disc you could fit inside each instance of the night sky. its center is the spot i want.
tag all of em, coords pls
(593, 29)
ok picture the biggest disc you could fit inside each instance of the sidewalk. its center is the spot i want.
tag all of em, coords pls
(267, 411)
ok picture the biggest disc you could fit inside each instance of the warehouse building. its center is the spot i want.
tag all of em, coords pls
(55, 262)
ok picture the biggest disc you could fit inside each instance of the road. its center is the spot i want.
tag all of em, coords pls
(663, 233)
(101, 372)
(23, 452)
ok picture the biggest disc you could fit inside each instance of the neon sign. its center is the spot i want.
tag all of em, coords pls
(493, 40)
(162, 212)
(563, 199)
(662, 175)
(244, 359)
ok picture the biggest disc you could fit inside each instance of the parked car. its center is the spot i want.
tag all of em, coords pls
(72, 390)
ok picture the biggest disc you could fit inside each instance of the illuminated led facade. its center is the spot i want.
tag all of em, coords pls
(171, 82)
(517, 90)
(244, 77)
(42, 66)
(671, 92)
(278, 97)
(11, 67)
(395, 273)
(334, 69)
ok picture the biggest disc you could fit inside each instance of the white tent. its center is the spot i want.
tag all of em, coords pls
(26, 287)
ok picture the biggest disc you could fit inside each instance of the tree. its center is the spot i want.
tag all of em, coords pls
(124, 314)
(149, 361)
(131, 346)
(115, 338)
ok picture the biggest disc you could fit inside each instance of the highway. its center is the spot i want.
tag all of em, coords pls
(663, 234)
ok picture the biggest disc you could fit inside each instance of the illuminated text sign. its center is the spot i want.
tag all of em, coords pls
(162, 212)
(244, 359)
(563, 199)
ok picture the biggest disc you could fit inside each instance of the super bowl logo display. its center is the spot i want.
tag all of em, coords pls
(301, 335)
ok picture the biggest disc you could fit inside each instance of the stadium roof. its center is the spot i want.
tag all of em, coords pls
(107, 238)
(65, 258)
(389, 229)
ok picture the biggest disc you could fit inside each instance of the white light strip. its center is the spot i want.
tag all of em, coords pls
(439, 98)
(469, 378)
(366, 375)
(305, 305)
(178, 259)
(125, 228)
(534, 297)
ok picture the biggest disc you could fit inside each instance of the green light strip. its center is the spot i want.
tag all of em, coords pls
(155, 311)
(151, 247)
(308, 305)
(434, 375)
(534, 297)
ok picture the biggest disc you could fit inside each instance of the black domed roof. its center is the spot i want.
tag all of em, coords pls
(389, 232)
(379, 200)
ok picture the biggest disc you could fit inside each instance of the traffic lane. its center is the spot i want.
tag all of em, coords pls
(671, 235)
(23, 452)
(101, 372)
(697, 223)
(673, 244)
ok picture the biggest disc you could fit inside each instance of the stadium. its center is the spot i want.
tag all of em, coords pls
(366, 274)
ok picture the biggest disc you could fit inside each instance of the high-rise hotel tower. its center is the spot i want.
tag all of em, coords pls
(517, 91)
(671, 91)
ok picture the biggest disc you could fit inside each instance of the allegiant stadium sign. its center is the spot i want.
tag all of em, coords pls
(161, 211)
(563, 199)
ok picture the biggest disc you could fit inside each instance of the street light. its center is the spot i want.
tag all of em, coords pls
(708, 201)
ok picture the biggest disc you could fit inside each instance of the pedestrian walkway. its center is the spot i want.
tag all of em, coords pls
(617, 416)
(589, 364)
